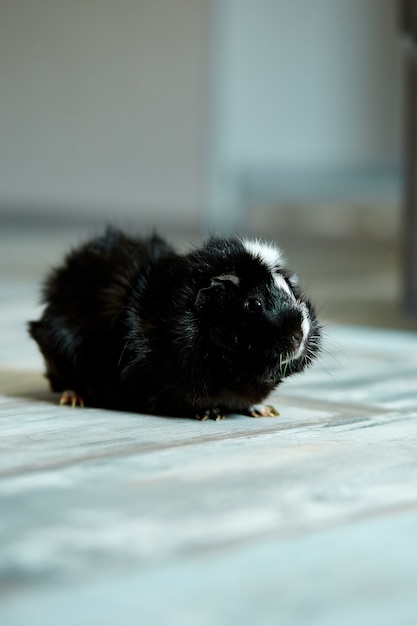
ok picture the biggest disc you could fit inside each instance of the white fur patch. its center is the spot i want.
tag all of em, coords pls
(270, 255)
(305, 328)
(282, 284)
(272, 258)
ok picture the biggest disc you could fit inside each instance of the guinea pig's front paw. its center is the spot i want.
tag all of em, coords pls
(212, 414)
(263, 410)
(72, 398)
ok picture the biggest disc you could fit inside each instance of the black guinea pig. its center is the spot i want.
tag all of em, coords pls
(131, 324)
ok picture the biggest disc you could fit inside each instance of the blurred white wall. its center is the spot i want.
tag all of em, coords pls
(161, 106)
(309, 82)
(307, 91)
(102, 104)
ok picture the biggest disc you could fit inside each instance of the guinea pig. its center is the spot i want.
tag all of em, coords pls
(130, 324)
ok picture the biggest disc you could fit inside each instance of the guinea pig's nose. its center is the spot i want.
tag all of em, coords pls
(296, 339)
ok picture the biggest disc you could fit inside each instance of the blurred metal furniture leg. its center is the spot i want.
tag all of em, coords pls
(409, 25)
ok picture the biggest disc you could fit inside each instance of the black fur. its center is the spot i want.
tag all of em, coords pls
(130, 324)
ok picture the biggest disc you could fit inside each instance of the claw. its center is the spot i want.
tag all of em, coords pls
(72, 398)
(266, 410)
(201, 418)
(213, 414)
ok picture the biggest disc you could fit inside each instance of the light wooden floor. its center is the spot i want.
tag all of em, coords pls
(308, 518)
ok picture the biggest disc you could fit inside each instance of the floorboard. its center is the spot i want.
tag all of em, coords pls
(306, 518)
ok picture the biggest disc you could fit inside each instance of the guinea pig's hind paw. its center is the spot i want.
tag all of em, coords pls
(212, 414)
(70, 397)
(263, 410)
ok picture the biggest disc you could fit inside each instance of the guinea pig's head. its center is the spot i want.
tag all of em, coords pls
(252, 312)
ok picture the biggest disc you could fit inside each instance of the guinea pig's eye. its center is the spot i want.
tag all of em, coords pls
(253, 305)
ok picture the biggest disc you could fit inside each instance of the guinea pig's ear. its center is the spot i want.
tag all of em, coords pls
(223, 279)
(218, 280)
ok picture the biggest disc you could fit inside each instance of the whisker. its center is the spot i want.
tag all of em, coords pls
(326, 370)
(322, 308)
(122, 354)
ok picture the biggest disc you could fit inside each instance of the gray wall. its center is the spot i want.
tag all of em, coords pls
(307, 100)
(103, 104)
(166, 107)
(309, 81)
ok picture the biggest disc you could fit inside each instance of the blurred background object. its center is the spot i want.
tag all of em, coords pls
(409, 25)
(278, 118)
